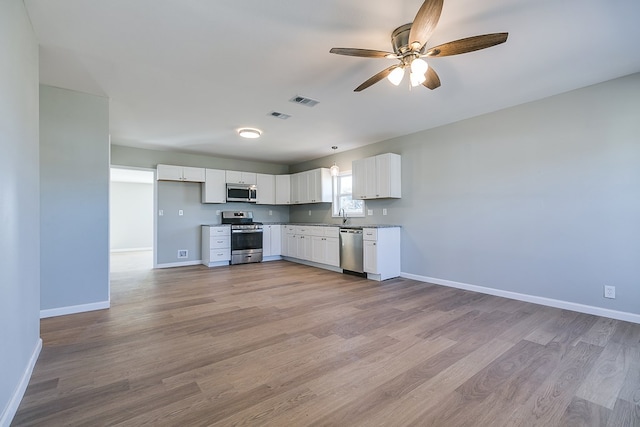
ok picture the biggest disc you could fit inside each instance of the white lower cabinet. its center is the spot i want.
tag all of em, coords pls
(381, 255)
(271, 241)
(318, 244)
(216, 245)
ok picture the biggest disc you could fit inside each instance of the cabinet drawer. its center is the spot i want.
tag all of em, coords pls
(216, 255)
(219, 231)
(331, 231)
(218, 242)
(370, 233)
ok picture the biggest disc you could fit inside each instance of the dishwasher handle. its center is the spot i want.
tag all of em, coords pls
(346, 230)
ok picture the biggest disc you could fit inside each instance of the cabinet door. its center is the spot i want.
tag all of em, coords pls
(193, 174)
(318, 249)
(370, 256)
(283, 189)
(266, 241)
(292, 245)
(295, 193)
(213, 188)
(237, 177)
(388, 176)
(169, 173)
(276, 240)
(332, 251)
(359, 179)
(266, 189)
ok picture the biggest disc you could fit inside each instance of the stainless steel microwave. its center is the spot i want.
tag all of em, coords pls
(242, 193)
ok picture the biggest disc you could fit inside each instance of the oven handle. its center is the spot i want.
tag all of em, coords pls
(247, 231)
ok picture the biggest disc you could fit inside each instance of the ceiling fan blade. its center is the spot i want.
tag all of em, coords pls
(376, 78)
(365, 53)
(425, 22)
(432, 81)
(468, 44)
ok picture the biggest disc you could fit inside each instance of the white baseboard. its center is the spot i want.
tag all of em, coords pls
(566, 305)
(178, 264)
(73, 309)
(14, 403)
(131, 250)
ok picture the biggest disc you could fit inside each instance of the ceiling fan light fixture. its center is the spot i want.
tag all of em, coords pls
(395, 76)
(419, 66)
(250, 133)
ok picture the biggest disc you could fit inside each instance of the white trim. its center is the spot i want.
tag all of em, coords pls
(178, 264)
(566, 305)
(150, 248)
(14, 402)
(73, 309)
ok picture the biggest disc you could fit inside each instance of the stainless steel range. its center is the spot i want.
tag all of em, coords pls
(246, 237)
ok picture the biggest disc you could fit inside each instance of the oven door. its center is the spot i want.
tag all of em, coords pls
(242, 240)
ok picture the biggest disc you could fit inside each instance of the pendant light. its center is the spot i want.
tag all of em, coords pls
(335, 170)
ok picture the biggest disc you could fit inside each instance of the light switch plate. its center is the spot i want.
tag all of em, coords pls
(161, 212)
(369, 212)
(180, 212)
(384, 211)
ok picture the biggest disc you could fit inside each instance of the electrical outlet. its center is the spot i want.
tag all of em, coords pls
(161, 212)
(610, 292)
(180, 212)
(384, 211)
(270, 212)
(369, 212)
(218, 213)
(309, 212)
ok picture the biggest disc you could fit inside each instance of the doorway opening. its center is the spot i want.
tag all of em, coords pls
(131, 219)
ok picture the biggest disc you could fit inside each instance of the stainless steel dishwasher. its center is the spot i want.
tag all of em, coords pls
(351, 250)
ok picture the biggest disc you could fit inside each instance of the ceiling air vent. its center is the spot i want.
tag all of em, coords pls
(281, 116)
(304, 101)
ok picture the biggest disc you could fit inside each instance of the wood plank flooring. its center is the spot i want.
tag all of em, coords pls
(282, 344)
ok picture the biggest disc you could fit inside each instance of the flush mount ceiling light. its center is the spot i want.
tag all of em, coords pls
(335, 170)
(249, 133)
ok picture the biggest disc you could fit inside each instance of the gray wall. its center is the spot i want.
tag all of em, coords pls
(74, 184)
(19, 205)
(183, 232)
(131, 215)
(541, 199)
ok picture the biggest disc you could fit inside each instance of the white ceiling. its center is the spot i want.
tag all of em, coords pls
(185, 74)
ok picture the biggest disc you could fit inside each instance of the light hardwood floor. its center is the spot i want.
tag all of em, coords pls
(282, 344)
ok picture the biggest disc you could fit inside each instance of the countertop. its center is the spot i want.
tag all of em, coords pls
(319, 224)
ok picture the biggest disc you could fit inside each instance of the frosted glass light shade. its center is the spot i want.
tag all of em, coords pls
(419, 66)
(395, 76)
(335, 170)
(417, 79)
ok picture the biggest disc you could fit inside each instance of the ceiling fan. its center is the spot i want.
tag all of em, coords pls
(410, 46)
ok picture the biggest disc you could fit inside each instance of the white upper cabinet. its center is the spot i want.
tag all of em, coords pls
(214, 187)
(312, 186)
(180, 173)
(377, 177)
(283, 189)
(237, 177)
(266, 189)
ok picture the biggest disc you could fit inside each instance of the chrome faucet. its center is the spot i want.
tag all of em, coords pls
(343, 214)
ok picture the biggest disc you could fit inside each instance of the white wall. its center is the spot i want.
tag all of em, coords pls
(131, 216)
(541, 199)
(74, 184)
(19, 206)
